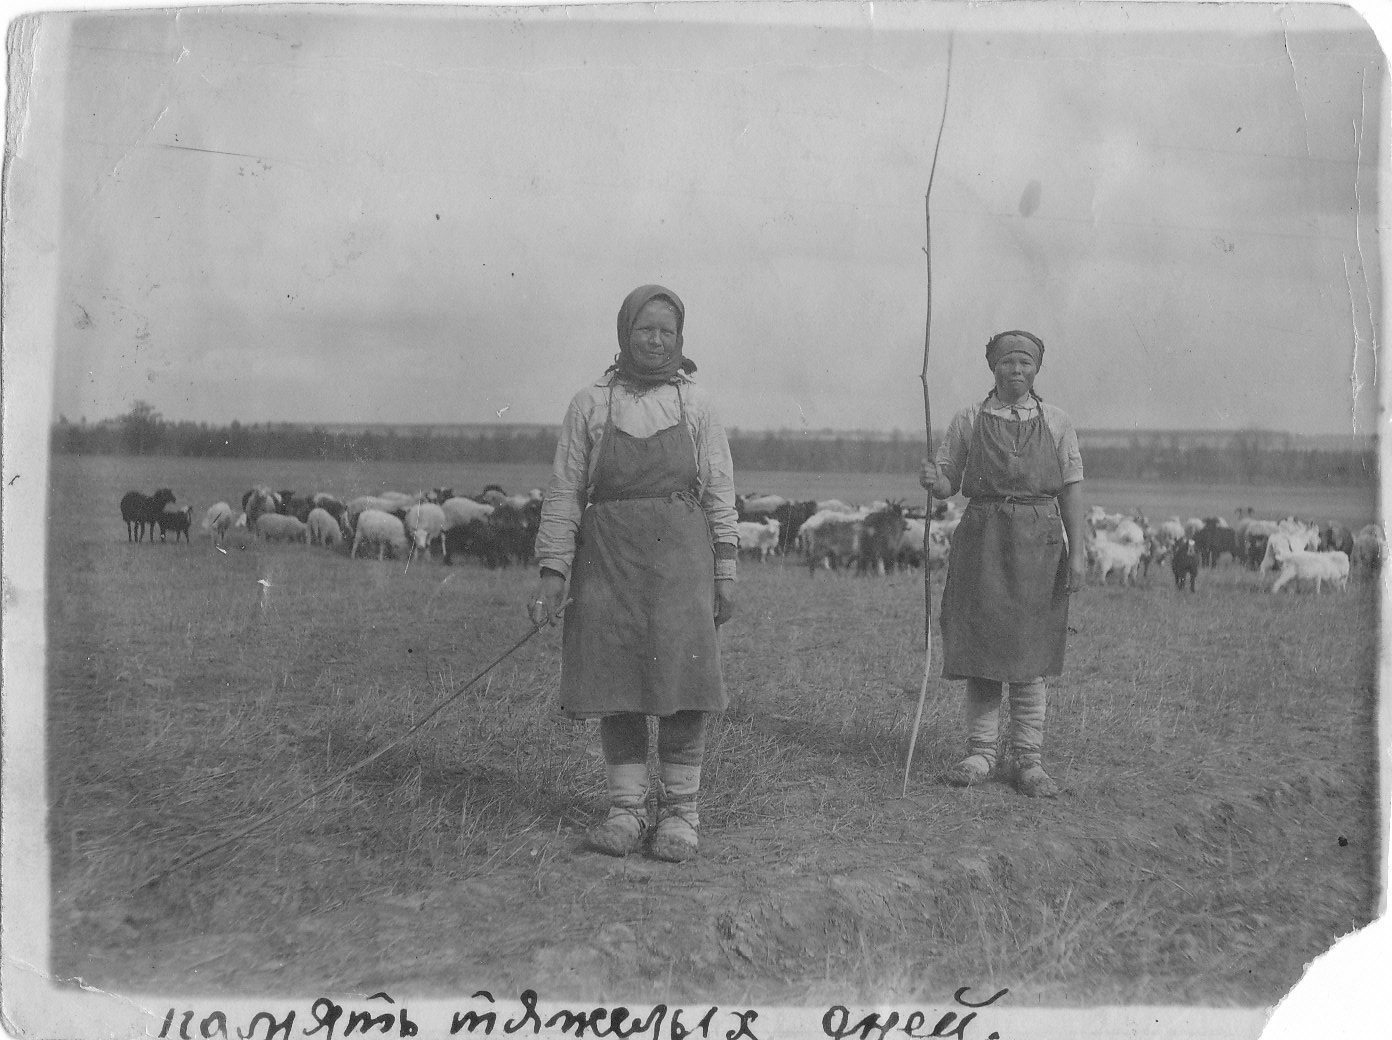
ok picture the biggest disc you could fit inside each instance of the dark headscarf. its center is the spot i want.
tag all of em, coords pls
(1003, 343)
(629, 369)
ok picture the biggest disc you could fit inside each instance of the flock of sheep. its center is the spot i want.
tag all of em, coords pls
(496, 527)
(499, 529)
(887, 535)
(1298, 550)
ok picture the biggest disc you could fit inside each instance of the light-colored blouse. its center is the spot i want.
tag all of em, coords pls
(639, 414)
(952, 452)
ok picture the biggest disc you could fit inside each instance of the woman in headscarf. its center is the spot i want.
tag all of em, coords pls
(640, 519)
(1009, 575)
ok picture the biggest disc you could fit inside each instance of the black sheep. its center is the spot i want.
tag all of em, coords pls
(1184, 561)
(140, 511)
(176, 520)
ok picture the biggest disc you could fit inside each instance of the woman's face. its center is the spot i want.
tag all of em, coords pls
(654, 337)
(1015, 374)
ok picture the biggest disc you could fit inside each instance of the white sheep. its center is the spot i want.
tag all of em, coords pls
(323, 528)
(1318, 567)
(356, 506)
(401, 500)
(217, 521)
(459, 511)
(278, 527)
(1126, 532)
(1279, 545)
(759, 538)
(380, 528)
(1118, 556)
(425, 523)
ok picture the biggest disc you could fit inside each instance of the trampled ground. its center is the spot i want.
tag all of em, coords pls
(1217, 830)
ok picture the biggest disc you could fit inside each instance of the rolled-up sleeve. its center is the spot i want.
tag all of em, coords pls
(718, 490)
(952, 452)
(564, 503)
(1066, 439)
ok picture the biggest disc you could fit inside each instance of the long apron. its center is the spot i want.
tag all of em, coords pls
(1005, 602)
(640, 633)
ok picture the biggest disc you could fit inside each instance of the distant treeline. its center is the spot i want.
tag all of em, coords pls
(1242, 457)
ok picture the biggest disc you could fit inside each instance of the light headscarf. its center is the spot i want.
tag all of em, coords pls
(631, 369)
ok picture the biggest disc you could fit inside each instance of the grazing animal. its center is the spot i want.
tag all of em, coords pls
(400, 500)
(508, 525)
(1215, 539)
(323, 528)
(382, 529)
(258, 502)
(1127, 532)
(1184, 562)
(217, 521)
(357, 506)
(1122, 557)
(1278, 545)
(756, 507)
(176, 520)
(833, 542)
(425, 523)
(331, 505)
(759, 539)
(879, 539)
(141, 511)
(1319, 567)
(791, 516)
(459, 511)
(477, 538)
(1369, 547)
(278, 527)
(298, 506)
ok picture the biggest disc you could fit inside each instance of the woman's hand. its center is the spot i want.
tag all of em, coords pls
(1077, 572)
(545, 607)
(724, 601)
(933, 481)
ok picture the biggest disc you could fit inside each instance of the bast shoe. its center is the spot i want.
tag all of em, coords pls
(620, 833)
(1031, 780)
(676, 838)
(974, 769)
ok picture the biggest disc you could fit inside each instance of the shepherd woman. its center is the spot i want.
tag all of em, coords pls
(640, 518)
(1010, 572)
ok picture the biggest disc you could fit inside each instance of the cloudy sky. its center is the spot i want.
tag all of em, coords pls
(432, 214)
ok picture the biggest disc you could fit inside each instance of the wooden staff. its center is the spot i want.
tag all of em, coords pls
(928, 429)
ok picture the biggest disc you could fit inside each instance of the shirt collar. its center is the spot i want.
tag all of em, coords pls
(1028, 406)
(680, 377)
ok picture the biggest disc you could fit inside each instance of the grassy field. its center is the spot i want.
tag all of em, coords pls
(1218, 827)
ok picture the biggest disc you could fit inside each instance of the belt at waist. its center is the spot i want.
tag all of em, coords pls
(689, 497)
(1013, 500)
(1039, 505)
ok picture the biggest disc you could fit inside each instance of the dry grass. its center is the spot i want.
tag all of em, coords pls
(1217, 830)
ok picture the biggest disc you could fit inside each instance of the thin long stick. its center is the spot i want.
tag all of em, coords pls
(258, 824)
(928, 425)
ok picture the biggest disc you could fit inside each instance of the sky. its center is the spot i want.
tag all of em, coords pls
(432, 214)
